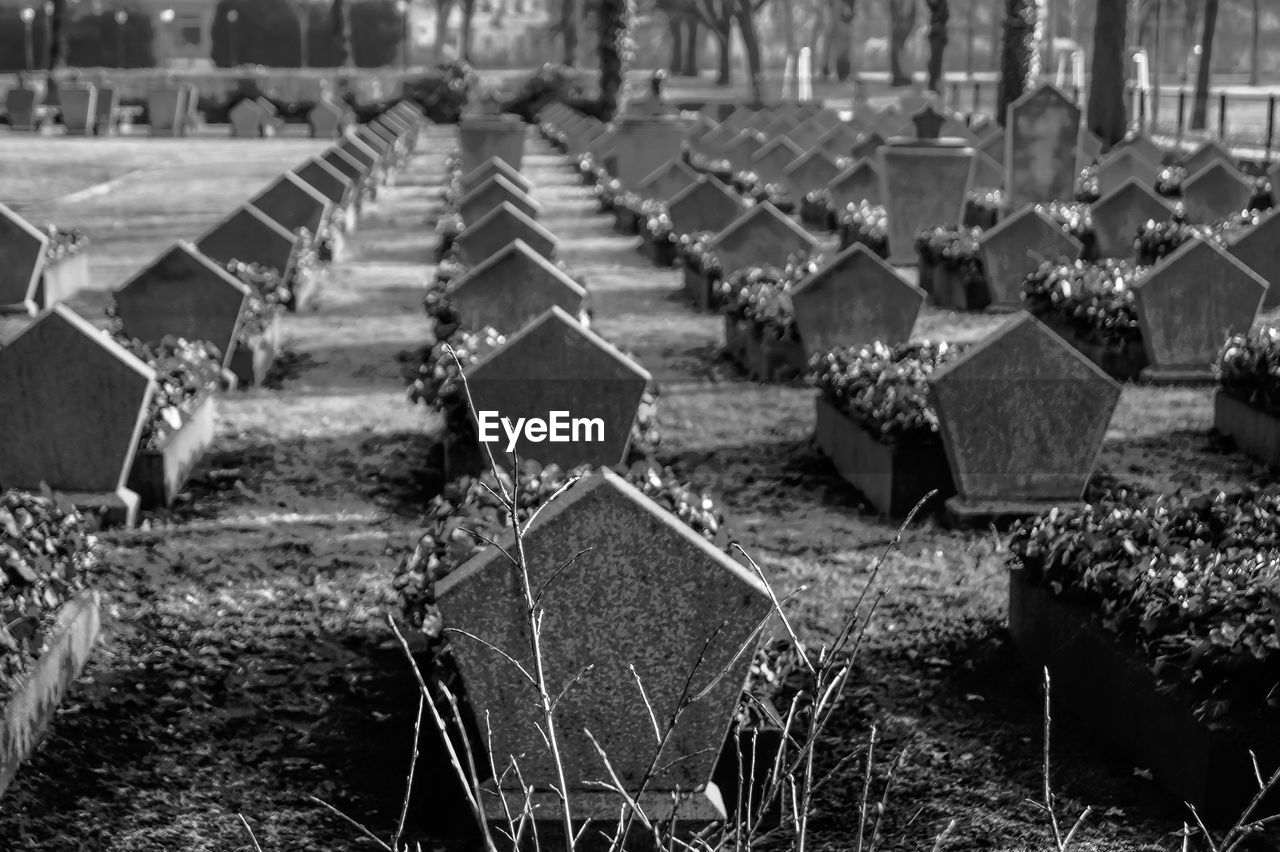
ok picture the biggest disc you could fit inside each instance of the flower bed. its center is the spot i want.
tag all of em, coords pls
(817, 210)
(66, 265)
(259, 339)
(659, 240)
(867, 224)
(951, 270)
(1156, 240)
(982, 207)
(1087, 188)
(1247, 404)
(751, 185)
(760, 328)
(1076, 220)
(701, 268)
(875, 423)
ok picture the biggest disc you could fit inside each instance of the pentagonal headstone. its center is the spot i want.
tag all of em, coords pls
(398, 128)
(503, 224)
(1016, 247)
(702, 125)
(347, 165)
(379, 142)
(166, 109)
(184, 294)
(324, 178)
(1088, 148)
(78, 106)
(249, 236)
(854, 300)
(491, 167)
(667, 181)
(760, 237)
(644, 144)
(583, 133)
(860, 182)
(293, 203)
(993, 145)
(1189, 303)
(1022, 416)
(838, 141)
(1122, 165)
(555, 364)
(922, 185)
(743, 149)
(1041, 134)
(493, 192)
(21, 105)
(778, 127)
(810, 172)
(247, 119)
(514, 287)
(482, 138)
(1118, 215)
(1259, 249)
(771, 161)
(22, 248)
(602, 146)
(1211, 151)
(828, 117)
(1215, 192)
(867, 146)
(326, 119)
(1144, 145)
(889, 123)
(361, 153)
(630, 593)
(987, 173)
(75, 405)
(717, 141)
(706, 205)
(806, 135)
(107, 110)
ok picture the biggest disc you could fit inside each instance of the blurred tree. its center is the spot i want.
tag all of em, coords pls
(1107, 118)
(58, 34)
(902, 20)
(1017, 45)
(717, 16)
(1204, 66)
(465, 37)
(841, 36)
(377, 33)
(265, 33)
(939, 15)
(340, 27)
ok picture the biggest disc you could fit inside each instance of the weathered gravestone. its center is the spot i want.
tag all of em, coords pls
(359, 151)
(923, 182)
(887, 124)
(838, 141)
(378, 142)
(325, 179)
(762, 236)
(854, 300)
(1041, 134)
(1022, 416)
(1016, 247)
(715, 142)
(490, 233)
(184, 294)
(492, 167)
(811, 172)
(771, 161)
(583, 133)
(78, 105)
(779, 126)
(248, 120)
(250, 236)
(667, 181)
(743, 149)
(514, 287)
(1118, 215)
(167, 111)
(1144, 145)
(631, 594)
(555, 364)
(327, 120)
(293, 203)
(482, 138)
(1088, 147)
(22, 105)
(22, 259)
(492, 193)
(75, 405)
(645, 143)
(1122, 165)
(706, 205)
(1208, 153)
(1187, 306)
(860, 182)
(993, 145)
(1259, 249)
(1215, 192)
(106, 110)
(987, 173)
(805, 136)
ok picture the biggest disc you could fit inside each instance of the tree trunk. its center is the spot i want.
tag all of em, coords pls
(1107, 117)
(58, 35)
(569, 30)
(1018, 44)
(745, 16)
(443, 10)
(787, 12)
(724, 70)
(675, 29)
(340, 20)
(902, 20)
(842, 38)
(691, 45)
(1254, 44)
(1190, 17)
(464, 39)
(613, 23)
(939, 14)
(1205, 66)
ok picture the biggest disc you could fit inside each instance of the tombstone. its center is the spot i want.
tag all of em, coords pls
(714, 143)
(838, 141)
(705, 205)
(1022, 416)
(250, 236)
(22, 106)
(778, 127)
(583, 134)
(743, 150)
(860, 182)
(248, 121)
(78, 106)
(361, 153)
(1119, 214)
(327, 120)
(924, 182)
(491, 167)
(381, 144)
(482, 138)
(1258, 248)
(1016, 247)
(987, 173)
(75, 406)
(601, 147)
(294, 204)
(854, 300)
(887, 124)
(1041, 134)
(492, 193)
(1187, 306)
(1142, 144)
(271, 115)
(557, 364)
(346, 165)
(325, 179)
(867, 146)
(22, 248)
(701, 127)
(644, 144)
(811, 172)
(762, 236)
(643, 597)
(1088, 147)
(667, 181)
(1122, 165)
(503, 224)
(1216, 192)
(512, 288)
(771, 161)
(190, 115)
(166, 111)
(806, 135)
(1208, 153)
(106, 110)
(184, 294)
(993, 145)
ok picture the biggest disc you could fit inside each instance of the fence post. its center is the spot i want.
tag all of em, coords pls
(1271, 126)
(1222, 115)
(1182, 112)
(977, 96)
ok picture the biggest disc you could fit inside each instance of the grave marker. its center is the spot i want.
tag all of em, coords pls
(250, 236)
(327, 119)
(1122, 165)
(838, 141)
(811, 172)
(762, 236)
(1041, 134)
(923, 183)
(248, 120)
(513, 288)
(1259, 249)
(1208, 153)
(860, 182)
(993, 145)
(491, 167)
(1016, 247)
(22, 259)
(706, 205)
(771, 161)
(494, 230)
(21, 105)
(1118, 215)
(743, 149)
(1142, 144)
(106, 110)
(78, 105)
(482, 138)
(167, 109)
(294, 204)
(493, 192)
(854, 300)
(325, 179)
(1215, 192)
(667, 181)
(645, 144)
(867, 146)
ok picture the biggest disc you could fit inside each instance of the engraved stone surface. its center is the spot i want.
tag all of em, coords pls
(993, 145)
(1022, 415)
(323, 177)
(838, 141)
(75, 404)
(743, 149)
(644, 144)
(185, 294)
(491, 167)
(78, 106)
(494, 230)
(640, 589)
(811, 172)
(1144, 145)
(1259, 249)
(326, 119)
(667, 180)
(247, 119)
(1041, 134)
(771, 161)
(987, 173)
(1118, 215)
(1208, 153)
(922, 185)
(860, 182)
(1191, 301)
(293, 203)
(1122, 165)
(514, 287)
(166, 107)
(760, 237)
(348, 166)
(707, 205)
(492, 193)
(557, 364)
(1215, 192)
(1016, 247)
(856, 299)
(482, 138)
(22, 248)
(249, 236)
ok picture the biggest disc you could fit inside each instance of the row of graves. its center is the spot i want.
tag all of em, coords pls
(102, 422)
(1135, 264)
(86, 109)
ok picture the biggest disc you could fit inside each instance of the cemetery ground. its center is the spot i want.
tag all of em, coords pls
(247, 664)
